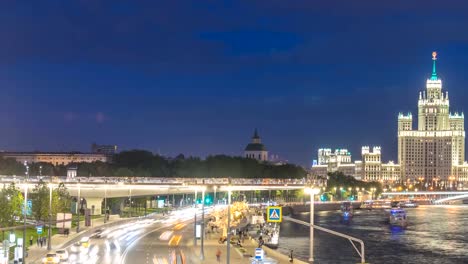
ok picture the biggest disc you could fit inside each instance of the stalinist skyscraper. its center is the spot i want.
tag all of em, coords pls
(434, 151)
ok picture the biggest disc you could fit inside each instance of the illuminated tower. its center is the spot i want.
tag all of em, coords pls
(433, 151)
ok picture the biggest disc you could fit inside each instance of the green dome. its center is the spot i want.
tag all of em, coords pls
(255, 147)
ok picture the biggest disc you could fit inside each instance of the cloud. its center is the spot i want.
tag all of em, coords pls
(70, 116)
(100, 117)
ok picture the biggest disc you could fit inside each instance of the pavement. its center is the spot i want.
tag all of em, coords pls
(238, 255)
(36, 253)
(211, 245)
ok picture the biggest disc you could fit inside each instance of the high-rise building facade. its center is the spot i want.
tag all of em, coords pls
(437, 147)
(370, 168)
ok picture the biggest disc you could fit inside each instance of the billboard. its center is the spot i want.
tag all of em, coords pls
(64, 220)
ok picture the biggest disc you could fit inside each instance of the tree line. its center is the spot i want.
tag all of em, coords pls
(12, 203)
(141, 163)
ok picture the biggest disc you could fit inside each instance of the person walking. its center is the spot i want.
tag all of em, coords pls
(291, 259)
(218, 255)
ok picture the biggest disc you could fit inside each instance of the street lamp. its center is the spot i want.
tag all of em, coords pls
(25, 211)
(202, 253)
(195, 219)
(78, 209)
(228, 235)
(312, 192)
(49, 244)
(105, 204)
(130, 200)
(214, 198)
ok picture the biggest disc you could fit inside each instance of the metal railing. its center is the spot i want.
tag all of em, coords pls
(157, 180)
(361, 252)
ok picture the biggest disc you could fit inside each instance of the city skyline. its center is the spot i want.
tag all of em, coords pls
(77, 73)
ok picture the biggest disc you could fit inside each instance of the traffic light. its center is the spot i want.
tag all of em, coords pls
(208, 200)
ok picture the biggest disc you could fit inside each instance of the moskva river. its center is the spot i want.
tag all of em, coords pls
(435, 234)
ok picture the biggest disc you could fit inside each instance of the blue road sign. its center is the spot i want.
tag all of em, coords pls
(39, 230)
(274, 214)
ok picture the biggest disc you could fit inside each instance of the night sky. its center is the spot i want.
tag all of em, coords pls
(197, 77)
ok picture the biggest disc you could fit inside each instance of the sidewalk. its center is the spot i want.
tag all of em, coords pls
(211, 247)
(36, 253)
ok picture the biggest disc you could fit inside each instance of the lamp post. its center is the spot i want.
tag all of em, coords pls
(130, 200)
(105, 204)
(25, 210)
(49, 244)
(214, 198)
(202, 253)
(195, 220)
(228, 236)
(78, 209)
(312, 192)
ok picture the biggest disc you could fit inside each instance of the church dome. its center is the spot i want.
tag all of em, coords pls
(255, 147)
(256, 144)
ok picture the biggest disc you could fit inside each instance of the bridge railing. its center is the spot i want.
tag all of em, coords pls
(157, 180)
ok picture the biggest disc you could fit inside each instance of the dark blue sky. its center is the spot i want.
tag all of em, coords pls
(197, 77)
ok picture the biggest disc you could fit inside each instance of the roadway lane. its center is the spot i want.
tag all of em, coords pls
(163, 245)
(172, 243)
(113, 241)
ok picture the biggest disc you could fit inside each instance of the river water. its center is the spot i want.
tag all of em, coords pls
(435, 234)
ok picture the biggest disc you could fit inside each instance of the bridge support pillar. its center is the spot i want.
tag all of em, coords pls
(94, 204)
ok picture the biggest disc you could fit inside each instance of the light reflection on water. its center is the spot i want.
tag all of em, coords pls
(435, 234)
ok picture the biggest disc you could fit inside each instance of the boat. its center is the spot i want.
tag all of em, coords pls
(398, 218)
(408, 204)
(346, 211)
(367, 205)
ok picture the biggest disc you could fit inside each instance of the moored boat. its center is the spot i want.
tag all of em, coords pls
(397, 218)
(346, 211)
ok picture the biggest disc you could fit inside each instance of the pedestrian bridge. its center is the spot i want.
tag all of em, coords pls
(437, 197)
(95, 189)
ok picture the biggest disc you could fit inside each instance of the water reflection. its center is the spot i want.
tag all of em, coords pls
(435, 234)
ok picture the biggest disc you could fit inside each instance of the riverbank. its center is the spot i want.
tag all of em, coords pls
(318, 206)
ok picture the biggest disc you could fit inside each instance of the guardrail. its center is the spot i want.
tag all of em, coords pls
(361, 252)
(157, 180)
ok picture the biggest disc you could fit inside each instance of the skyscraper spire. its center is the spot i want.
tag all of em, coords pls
(434, 73)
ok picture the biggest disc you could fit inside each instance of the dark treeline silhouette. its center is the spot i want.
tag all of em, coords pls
(141, 163)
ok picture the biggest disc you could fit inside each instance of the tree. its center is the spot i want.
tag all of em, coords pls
(61, 200)
(40, 201)
(11, 204)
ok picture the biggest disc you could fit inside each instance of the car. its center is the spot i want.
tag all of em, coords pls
(51, 258)
(85, 242)
(97, 233)
(177, 257)
(62, 254)
(112, 246)
(76, 247)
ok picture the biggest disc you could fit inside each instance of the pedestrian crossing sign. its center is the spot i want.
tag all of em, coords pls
(274, 214)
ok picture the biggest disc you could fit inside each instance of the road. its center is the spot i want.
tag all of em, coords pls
(135, 241)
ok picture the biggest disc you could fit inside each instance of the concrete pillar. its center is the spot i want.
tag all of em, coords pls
(94, 204)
